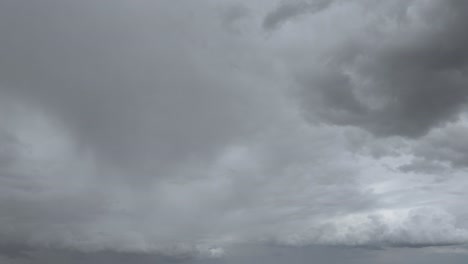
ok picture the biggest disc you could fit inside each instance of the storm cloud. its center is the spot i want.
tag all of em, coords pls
(398, 73)
(224, 131)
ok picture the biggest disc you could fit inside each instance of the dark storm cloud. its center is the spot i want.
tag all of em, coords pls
(403, 74)
(141, 131)
(130, 119)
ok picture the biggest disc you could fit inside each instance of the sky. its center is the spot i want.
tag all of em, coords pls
(233, 131)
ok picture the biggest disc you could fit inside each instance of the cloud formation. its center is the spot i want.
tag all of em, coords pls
(178, 130)
(418, 227)
(288, 10)
(401, 72)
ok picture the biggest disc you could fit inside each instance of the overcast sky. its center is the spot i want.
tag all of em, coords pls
(233, 131)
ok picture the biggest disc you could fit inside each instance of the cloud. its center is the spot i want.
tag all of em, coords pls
(291, 9)
(395, 71)
(176, 131)
(445, 145)
(117, 79)
(418, 227)
(136, 134)
(441, 152)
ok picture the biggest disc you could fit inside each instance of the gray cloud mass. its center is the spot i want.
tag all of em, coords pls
(400, 74)
(233, 131)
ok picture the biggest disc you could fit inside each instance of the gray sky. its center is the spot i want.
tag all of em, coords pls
(208, 131)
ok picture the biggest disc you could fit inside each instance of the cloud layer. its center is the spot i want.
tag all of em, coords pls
(186, 128)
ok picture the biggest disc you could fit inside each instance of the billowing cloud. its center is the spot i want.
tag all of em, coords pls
(393, 71)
